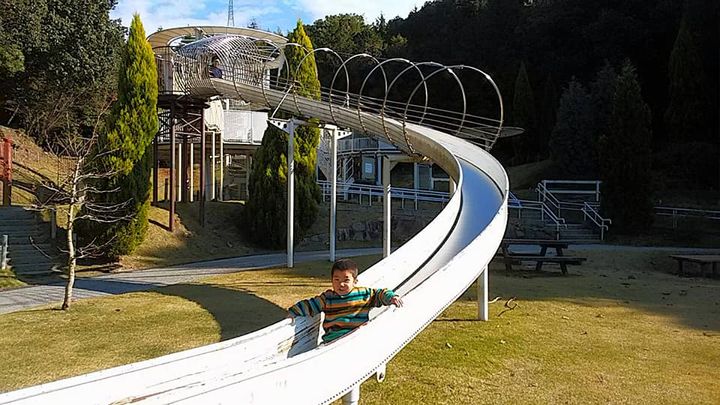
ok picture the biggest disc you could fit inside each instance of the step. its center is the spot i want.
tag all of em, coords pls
(37, 271)
(13, 222)
(46, 247)
(21, 233)
(6, 214)
(25, 240)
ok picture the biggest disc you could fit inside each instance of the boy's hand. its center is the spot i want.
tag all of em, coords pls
(397, 301)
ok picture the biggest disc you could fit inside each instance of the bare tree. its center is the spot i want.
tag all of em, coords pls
(75, 197)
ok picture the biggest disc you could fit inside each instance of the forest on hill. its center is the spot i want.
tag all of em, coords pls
(560, 59)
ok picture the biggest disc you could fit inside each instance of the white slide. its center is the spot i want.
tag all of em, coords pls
(282, 363)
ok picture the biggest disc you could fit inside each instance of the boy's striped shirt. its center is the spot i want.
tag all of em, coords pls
(343, 313)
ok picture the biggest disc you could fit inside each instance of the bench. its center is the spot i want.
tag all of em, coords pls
(563, 261)
(704, 261)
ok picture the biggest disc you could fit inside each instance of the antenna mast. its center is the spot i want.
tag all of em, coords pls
(231, 14)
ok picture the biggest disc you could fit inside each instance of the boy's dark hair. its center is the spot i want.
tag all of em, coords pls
(345, 264)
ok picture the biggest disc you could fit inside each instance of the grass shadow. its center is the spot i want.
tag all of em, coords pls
(644, 279)
(236, 312)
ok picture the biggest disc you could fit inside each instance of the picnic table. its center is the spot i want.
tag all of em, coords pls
(540, 256)
(704, 261)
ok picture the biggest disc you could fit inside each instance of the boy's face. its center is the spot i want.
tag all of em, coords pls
(343, 281)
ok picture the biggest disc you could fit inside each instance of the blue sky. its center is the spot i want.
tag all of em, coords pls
(269, 14)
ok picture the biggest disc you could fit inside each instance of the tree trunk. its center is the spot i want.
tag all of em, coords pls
(72, 260)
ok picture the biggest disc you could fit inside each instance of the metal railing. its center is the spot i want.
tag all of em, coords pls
(546, 214)
(579, 187)
(367, 190)
(350, 145)
(547, 198)
(589, 212)
(678, 212)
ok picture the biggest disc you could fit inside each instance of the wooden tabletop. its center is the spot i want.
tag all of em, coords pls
(538, 242)
(698, 258)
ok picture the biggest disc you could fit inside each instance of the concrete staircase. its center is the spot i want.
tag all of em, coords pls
(530, 225)
(27, 237)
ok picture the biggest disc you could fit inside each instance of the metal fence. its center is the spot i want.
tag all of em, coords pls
(365, 193)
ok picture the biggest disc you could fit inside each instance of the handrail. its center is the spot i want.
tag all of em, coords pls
(371, 190)
(679, 212)
(595, 183)
(544, 211)
(590, 212)
(548, 196)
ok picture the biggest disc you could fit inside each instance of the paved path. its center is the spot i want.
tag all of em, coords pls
(32, 296)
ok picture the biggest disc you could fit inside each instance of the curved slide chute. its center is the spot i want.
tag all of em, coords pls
(283, 362)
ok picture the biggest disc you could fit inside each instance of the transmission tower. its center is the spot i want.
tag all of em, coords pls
(231, 14)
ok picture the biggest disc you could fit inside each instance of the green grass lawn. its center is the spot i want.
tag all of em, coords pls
(620, 329)
(8, 279)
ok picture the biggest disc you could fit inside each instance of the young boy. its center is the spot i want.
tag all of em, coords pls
(346, 306)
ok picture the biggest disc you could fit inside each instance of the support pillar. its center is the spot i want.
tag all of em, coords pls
(7, 171)
(191, 163)
(179, 166)
(352, 397)
(156, 169)
(248, 167)
(212, 171)
(171, 171)
(185, 160)
(203, 156)
(387, 206)
(482, 293)
(222, 168)
(333, 192)
(290, 193)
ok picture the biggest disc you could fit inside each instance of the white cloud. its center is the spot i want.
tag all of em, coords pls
(370, 9)
(181, 13)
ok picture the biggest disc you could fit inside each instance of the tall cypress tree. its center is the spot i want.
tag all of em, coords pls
(265, 212)
(132, 125)
(625, 154)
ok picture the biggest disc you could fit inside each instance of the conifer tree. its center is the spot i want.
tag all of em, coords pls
(265, 212)
(686, 114)
(625, 153)
(571, 146)
(132, 126)
(547, 112)
(523, 115)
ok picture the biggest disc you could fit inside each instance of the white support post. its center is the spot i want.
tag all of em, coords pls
(248, 167)
(416, 176)
(222, 167)
(290, 192)
(482, 293)
(191, 163)
(214, 166)
(387, 206)
(333, 193)
(179, 169)
(352, 397)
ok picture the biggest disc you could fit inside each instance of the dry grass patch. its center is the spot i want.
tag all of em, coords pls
(189, 242)
(9, 280)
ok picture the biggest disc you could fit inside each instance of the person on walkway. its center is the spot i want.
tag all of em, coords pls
(346, 305)
(215, 70)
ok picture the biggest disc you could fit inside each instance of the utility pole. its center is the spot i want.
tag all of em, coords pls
(231, 14)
